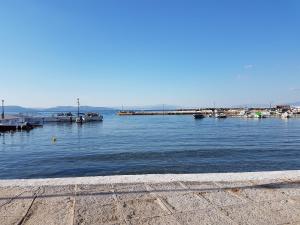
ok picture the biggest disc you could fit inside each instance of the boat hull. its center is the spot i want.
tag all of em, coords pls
(199, 116)
(7, 128)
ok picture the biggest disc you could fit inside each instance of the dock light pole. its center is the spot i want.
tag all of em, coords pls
(2, 114)
(78, 104)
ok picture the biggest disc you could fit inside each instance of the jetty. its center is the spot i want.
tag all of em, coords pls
(258, 198)
(278, 111)
(14, 123)
(151, 113)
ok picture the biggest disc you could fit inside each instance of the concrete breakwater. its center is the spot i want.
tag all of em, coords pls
(230, 198)
(230, 112)
(149, 113)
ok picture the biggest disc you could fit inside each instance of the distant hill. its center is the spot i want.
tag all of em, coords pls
(20, 109)
(74, 108)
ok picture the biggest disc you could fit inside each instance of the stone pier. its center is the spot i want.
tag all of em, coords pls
(194, 199)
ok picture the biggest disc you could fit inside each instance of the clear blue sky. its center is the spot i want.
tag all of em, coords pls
(144, 52)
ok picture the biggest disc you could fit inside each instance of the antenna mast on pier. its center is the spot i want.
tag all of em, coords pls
(78, 104)
(2, 114)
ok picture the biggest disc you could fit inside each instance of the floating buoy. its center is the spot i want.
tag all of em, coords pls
(54, 139)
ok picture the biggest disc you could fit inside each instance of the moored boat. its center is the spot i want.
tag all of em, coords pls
(34, 121)
(60, 117)
(199, 116)
(220, 116)
(89, 117)
(285, 115)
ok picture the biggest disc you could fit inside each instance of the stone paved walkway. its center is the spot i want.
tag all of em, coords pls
(192, 203)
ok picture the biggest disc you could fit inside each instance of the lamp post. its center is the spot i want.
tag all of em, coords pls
(2, 114)
(78, 104)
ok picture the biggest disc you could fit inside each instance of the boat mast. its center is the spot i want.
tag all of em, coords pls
(2, 114)
(78, 104)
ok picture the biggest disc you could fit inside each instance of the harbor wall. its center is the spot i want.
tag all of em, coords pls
(156, 178)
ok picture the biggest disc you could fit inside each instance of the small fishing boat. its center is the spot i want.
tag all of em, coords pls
(285, 115)
(220, 116)
(60, 117)
(199, 116)
(89, 117)
(34, 121)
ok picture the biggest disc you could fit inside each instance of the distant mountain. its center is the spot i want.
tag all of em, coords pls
(74, 108)
(18, 109)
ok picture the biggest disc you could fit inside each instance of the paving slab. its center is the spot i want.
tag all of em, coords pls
(158, 220)
(262, 194)
(204, 217)
(96, 204)
(181, 202)
(236, 184)
(201, 186)
(263, 213)
(93, 214)
(222, 198)
(284, 211)
(52, 206)
(144, 208)
(164, 189)
(126, 192)
(14, 204)
(95, 194)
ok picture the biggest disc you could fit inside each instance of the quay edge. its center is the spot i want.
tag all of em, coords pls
(155, 178)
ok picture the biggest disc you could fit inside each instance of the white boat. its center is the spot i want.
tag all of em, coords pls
(285, 115)
(60, 117)
(242, 113)
(220, 116)
(34, 121)
(89, 117)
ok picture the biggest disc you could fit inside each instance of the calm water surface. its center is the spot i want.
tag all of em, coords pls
(151, 144)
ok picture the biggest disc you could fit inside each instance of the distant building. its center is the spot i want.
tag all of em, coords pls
(283, 108)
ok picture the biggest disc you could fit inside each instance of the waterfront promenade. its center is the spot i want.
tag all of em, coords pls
(219, 199)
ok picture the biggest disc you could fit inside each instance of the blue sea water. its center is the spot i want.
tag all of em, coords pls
(151, 144)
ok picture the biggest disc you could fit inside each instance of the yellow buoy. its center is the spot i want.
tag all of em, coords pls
(54, 139)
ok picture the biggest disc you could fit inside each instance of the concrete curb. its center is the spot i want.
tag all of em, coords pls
(156, 178)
